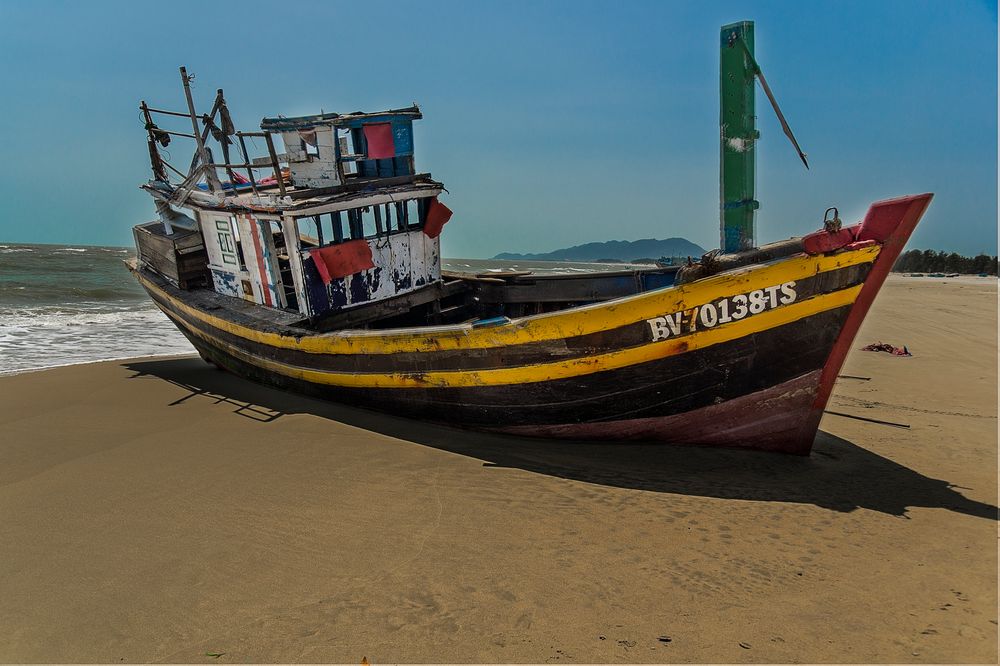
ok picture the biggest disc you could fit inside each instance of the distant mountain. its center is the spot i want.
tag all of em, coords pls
(615, 250)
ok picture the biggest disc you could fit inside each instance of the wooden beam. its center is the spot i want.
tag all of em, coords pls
(274, 163)
(358, 185)
(361, 315)
(246, 158)
(210, 176)
(155, 160)
(169, 113)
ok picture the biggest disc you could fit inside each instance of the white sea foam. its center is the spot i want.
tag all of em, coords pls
(45, 337)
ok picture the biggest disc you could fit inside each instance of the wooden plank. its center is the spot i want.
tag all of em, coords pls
(265, 162)
(180, 257)
(390, 307)
(356, 185)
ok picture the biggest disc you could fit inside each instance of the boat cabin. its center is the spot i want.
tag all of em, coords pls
(330, 148)
(342, 221)
(333, 227)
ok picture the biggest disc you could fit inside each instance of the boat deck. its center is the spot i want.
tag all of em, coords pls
(461, 298)
(270, 320)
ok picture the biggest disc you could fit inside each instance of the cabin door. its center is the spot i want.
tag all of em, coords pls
(285, 248)
(261, 260)
(225, 255)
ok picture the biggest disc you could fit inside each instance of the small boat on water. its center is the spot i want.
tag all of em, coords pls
(318, 270)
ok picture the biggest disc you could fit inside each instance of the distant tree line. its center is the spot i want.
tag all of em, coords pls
(929, 261)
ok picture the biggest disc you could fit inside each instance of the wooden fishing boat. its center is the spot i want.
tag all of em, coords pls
(326, 280)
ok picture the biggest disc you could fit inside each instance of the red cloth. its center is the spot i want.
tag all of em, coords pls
(380, 142)
(826, 241)
(271, 180)
(337, 261)
(437, 215)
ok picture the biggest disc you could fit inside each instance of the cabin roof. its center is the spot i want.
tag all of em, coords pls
(281, 123)
(307, 201)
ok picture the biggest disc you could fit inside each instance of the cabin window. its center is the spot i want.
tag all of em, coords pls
(310, 145)
(310, 231)
(346, 146)
(370, 228)
(325, 229)
(239, 245)
(391, 218)
(375, 221)
(355, 224)
(416, 211)
(337, 220)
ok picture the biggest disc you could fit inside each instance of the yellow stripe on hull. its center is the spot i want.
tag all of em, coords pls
(552, 326)
(546, 371)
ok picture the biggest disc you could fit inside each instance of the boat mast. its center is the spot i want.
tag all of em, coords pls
(738, 135)
(211, 178)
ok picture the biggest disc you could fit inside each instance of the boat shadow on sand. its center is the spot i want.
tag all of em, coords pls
(839, 475)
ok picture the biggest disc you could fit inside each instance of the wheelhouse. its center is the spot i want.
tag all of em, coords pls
(336, 220)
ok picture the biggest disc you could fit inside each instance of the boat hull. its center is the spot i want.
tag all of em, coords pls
(746, 358)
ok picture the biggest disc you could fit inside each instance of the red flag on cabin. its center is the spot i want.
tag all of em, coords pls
(380, 142)
(337, 261)
(437, 215)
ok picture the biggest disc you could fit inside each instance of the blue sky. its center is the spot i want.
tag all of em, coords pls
(551, 123)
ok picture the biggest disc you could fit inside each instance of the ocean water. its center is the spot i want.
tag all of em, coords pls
(76, 304)
(62, 305)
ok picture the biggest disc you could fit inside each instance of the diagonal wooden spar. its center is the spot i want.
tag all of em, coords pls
(774, 103)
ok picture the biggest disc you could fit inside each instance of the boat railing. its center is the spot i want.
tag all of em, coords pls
(218, 126)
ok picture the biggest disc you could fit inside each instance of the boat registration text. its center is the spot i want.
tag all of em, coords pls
(722, 311)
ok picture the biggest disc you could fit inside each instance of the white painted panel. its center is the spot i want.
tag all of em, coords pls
(221, 248)
(312, 170)
(226, 283)
(293, 146)
(275, 290)
(368, 201)
(220, 242)
(294, 248)
(247, 227)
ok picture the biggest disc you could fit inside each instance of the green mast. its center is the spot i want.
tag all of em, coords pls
(738, 135)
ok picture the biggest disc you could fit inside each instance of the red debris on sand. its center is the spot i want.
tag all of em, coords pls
(884, 347)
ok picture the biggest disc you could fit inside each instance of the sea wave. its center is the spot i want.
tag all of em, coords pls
(63, 305)
(45, 337)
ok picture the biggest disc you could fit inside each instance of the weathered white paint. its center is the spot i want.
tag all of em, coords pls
(247, 229)
(403, 262)
(226, 283)
(361, 202)
(312, 170)
(293, 246)
(271, 280)
(223, 258)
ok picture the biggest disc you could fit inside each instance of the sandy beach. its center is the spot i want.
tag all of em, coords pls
(157, 510)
